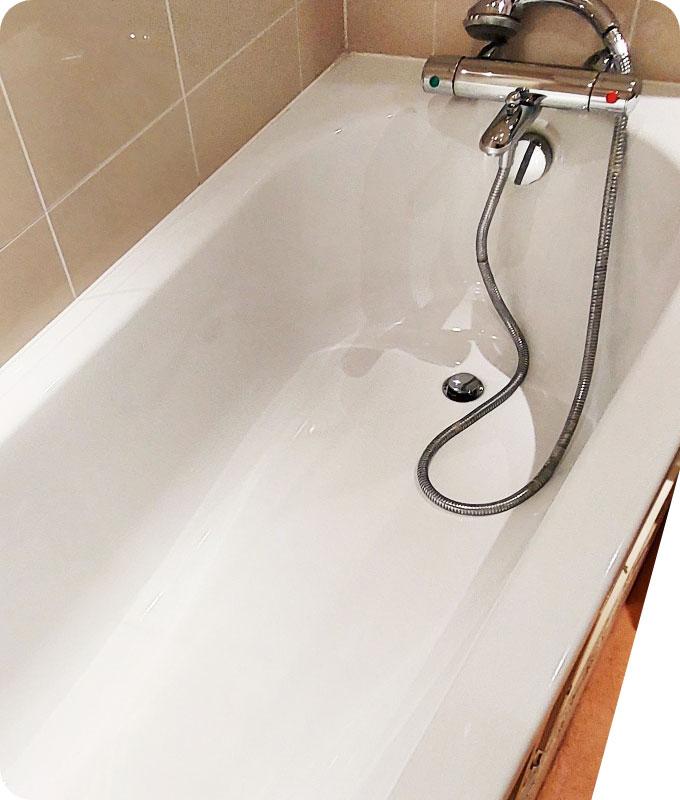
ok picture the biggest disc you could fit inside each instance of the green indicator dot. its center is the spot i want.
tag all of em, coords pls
(434, 81)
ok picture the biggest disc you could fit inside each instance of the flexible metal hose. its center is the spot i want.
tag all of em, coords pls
(616, 159)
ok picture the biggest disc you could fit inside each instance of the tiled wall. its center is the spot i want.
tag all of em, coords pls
(112, 112)
(422, 27)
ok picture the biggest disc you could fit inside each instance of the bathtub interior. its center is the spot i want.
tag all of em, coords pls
(213, 539)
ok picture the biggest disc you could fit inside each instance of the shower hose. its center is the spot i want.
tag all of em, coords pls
(616, 159)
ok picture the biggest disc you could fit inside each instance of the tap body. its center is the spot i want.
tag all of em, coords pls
(496, 21)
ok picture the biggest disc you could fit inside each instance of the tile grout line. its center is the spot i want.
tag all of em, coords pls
(113, 156)
(36, 184)
(183, 100)
(299, 46)
(22, 232)
(345, 15)
(157, 119)
(240, 50)
(183, 89)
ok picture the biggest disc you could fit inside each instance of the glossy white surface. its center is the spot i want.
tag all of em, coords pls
(219, 577)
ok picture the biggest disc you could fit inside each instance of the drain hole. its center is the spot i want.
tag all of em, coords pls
(463, 387)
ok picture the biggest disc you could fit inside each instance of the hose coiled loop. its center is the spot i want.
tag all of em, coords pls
(615, 167)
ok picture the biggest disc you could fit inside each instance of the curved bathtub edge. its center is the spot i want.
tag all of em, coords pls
(448, 757)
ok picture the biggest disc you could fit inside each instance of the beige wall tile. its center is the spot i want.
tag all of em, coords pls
(656, 43)
(33, 288)
(116, 207)
(230, 107)
(209, 31)
(451, 36)
(322, 35)
(403, 27)
(84, 78)
(19, 205)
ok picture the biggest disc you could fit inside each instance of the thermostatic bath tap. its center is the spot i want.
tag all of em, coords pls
(559, 87)
(525, 89)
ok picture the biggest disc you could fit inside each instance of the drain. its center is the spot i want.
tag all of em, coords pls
(463, 387)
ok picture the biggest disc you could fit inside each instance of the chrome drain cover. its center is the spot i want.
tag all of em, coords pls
(463, 387)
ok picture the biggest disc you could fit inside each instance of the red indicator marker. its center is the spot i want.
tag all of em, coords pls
(611, 97)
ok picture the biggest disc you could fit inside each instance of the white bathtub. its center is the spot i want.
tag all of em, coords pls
(219, 578)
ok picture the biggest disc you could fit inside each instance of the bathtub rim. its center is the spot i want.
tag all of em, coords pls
(32, 373)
